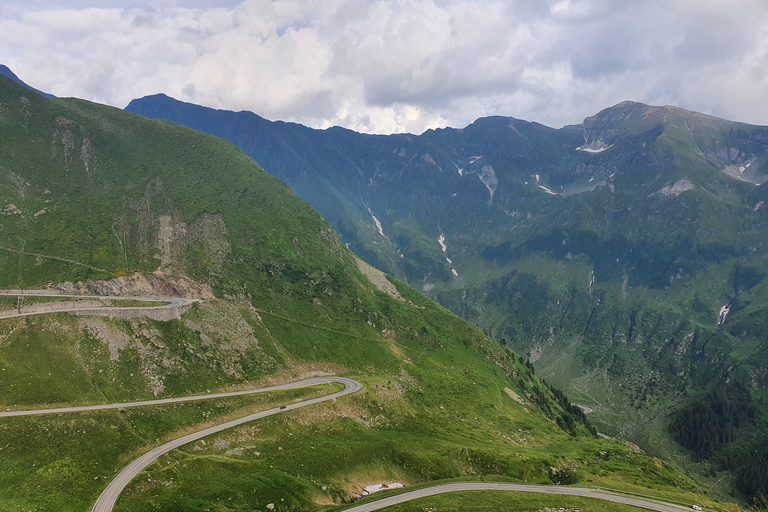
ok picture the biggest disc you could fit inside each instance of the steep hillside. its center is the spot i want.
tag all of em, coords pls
(95, 200)
(626, 255)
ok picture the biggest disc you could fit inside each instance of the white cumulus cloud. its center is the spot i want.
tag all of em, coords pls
(387, 66)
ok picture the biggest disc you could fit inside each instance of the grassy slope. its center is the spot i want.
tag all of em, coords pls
(644, 341)
(291, 300)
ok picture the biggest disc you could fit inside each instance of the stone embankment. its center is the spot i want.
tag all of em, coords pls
(175, 296)
(160, 313)
(167, 309)
(152, 285)
(53, 306)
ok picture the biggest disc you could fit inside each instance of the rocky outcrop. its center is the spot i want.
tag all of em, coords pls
(139, 285)
(159, 314)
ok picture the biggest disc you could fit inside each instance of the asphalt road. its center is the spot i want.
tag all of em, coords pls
(160, 401)
(543, 489)
(173, 302)
(107, 500)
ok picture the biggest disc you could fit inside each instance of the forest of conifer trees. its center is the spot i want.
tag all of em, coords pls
(709, 424)
(707, 428)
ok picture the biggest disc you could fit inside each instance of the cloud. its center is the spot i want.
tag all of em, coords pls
(390, 66)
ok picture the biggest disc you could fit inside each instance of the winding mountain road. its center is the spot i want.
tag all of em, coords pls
(542, 489)
(108, 498)
(172, 302)
(122, 405)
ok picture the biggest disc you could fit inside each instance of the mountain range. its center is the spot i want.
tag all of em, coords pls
(625, 256)
(6, 72)
(98, 201)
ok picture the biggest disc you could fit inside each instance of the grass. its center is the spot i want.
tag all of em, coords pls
(413, 423)
(52, 461)
(506, 501)
(302, 461)
(291, 302)
(646, 338)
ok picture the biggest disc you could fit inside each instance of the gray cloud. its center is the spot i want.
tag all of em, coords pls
(389, 66)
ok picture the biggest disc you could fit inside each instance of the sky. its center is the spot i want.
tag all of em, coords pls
(389, 66)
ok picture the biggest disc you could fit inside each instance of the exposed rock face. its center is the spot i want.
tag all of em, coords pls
(489, 179)
(379, 279)
(175, 238)
(114, 338)
(140, 285)
(145, 236)
(161, 315)
(676, 188)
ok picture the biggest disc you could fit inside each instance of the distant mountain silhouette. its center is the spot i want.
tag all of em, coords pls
(6, 71)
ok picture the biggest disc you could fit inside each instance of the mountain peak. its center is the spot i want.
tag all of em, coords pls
(6, 72)
(621, 111)
(632, 110)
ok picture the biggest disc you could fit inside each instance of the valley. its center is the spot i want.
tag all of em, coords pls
(138, 208)
(625, 256)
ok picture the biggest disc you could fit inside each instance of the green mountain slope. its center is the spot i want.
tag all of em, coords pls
(625, 256)
(98, 200)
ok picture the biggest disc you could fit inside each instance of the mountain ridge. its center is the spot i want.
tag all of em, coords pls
(6, 72)
(605, 251)
(92, 197)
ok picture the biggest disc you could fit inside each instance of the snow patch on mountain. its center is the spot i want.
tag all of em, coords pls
(737, 172)
(441, 241)
(747, 171)
(378, 224)
(593, 149)
(723, 313)
(545, 189)
(596, 146)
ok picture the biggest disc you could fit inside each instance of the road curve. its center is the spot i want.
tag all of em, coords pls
(584, 408)
(173, 302)
(107, 500)
(543, 489)
(160, 401)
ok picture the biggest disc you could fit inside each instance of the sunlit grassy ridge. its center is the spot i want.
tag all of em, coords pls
(91, 192)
